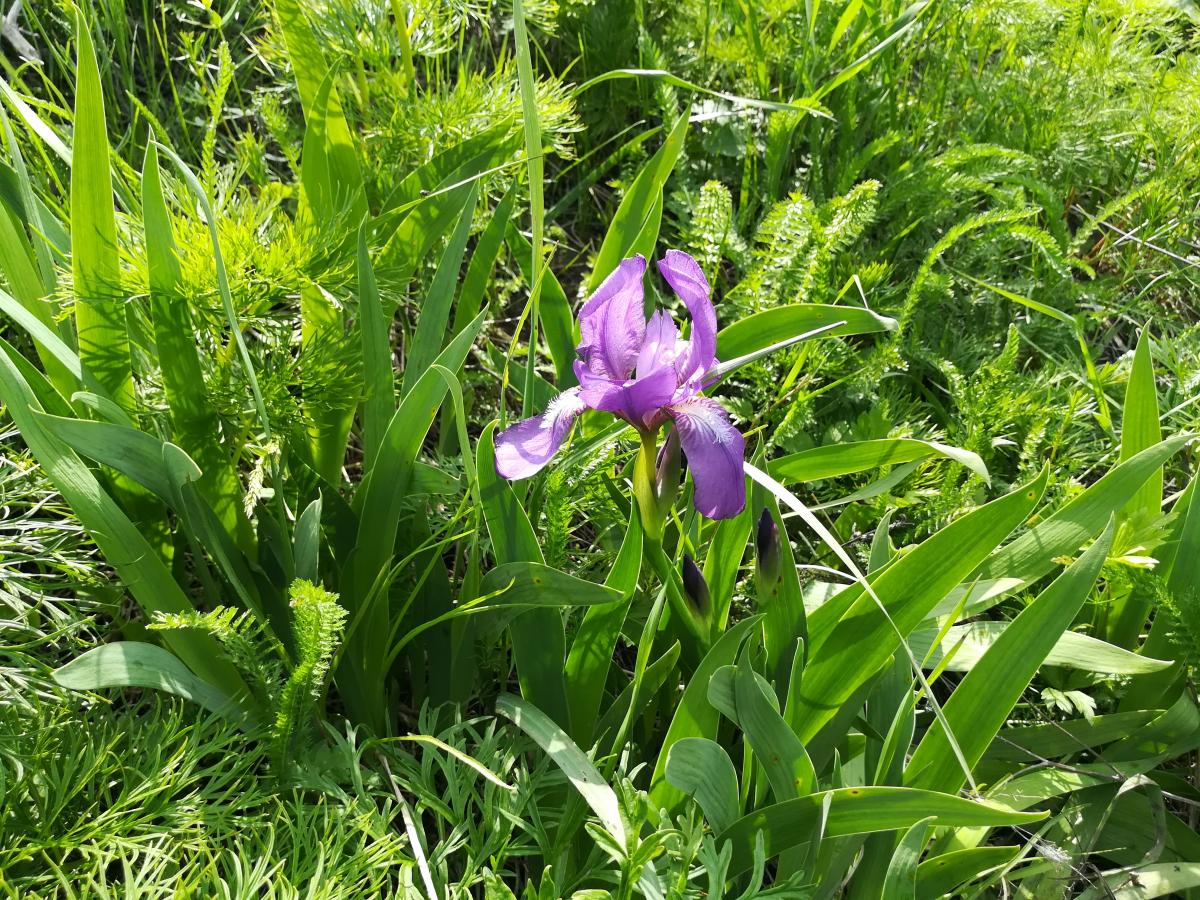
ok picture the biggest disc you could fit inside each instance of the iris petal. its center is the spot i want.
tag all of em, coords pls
(715, 451)
(686, 279)
(523, 449)
(660, 347)
(636, 400)
(612, 323)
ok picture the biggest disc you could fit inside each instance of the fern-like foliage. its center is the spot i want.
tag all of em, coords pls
(798, 244)
(247, 643)
(1183, 610)
(318, 621)
(712, 220)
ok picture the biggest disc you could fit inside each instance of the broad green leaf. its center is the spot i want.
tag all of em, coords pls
(304, 51)
(333, 202)
(125, 449)
(534, 159)
(193, 418)
(330, 382)
(95, 267)
(723, 563)
(408, 239)
(789, 770)
(666, 77)
(653, 677)
(1182, 574)
(1140, 430)
(208, 537)
(462, 162)
(513, 538)
(858, 810)
(694, 716)
(783, 322)
(137, 664)
(591, 655)
(852, 638)
(331, 182)
(859, 456)
(1130, 831)
(900, 882)
(1027, 743)
(558, 325)
(1145, 882)
(40, 389)
(579, 771)
(985, 697)
(431, 329)
(638, 207)
(536, 584)
(379, 403)
(647, 236)
(306, 543)
(538, 637)
(781, 600)
(22, 277)
(31, 216)
(380, 499)
(722, 692)
(45, 337)
(147, 460)
(380, 503)
(179, 359)
(702, 769)
(568, 757)
(472, 297)
(124, 548)
(231, 317)
(1072, 651)
(940, 875)
(1033, 554)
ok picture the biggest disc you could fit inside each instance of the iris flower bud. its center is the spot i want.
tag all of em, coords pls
(695, 587)
(766, 545)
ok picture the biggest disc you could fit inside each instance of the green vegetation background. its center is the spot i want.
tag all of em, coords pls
(1014, 182)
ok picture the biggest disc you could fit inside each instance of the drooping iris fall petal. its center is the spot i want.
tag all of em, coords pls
(715, 451)
(524, 449)
(636, 400)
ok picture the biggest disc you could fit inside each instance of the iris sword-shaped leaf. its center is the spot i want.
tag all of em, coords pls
(99, 305)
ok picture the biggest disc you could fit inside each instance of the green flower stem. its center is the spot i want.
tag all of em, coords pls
(654, 517)
(645, 489)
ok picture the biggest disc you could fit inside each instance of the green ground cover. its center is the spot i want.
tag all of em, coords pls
(276, 277)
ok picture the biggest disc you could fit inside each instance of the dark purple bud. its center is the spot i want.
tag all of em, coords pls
(695, 586)
(766, 543)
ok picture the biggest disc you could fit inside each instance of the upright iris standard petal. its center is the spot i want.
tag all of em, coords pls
(686, 279)
(523, 449)
(636, 400)
(661, 345)
(715, 451)
(612, 323)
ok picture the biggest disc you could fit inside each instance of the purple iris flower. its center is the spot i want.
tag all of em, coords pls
(643, 372)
